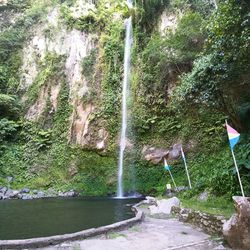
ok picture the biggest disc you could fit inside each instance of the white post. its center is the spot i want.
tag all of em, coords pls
(185, 163)
(237, 170)
(172, 178)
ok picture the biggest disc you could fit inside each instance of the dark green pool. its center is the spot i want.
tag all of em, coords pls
(21, 219)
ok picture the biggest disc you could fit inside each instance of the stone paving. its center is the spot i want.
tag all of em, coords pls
(152, 234)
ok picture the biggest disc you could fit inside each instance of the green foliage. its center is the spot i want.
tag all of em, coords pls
(112, 65)
(162, 60)
(7, 129)
(61, 117)
(243, 156)
(187, 40)
(218, 78)
(149, 179)
(88, 66)
(93, 19)
(201, 6)
(214, 205)
(9, 106)
(84, 23)
(12, 39)
(15, 5)
(35, 138)
(147, 13)
(51, 68)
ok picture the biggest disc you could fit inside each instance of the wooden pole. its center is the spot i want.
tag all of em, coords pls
(185, 163)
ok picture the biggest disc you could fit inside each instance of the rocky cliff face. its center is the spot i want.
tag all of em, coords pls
(51, 38)
(72, 46)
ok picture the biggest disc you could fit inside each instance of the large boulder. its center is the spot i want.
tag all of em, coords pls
(174, 152)
(156, 155)
(27, 197)
(14, 194)
(25, 190)
(237, 230)
(71, 193)
(164, 206)
(150, 200)
(8, 193)
(3, 190)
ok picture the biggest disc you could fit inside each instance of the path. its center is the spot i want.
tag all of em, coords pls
(152, 234)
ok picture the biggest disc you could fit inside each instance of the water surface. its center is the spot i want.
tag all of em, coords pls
(22, 219)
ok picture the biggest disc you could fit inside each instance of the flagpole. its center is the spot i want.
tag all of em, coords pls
(172, 178)
(185, 163)
(167, 167)
(237, 170)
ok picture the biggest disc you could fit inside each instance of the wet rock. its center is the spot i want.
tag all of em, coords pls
(25, 190)
(52, 193)
(1, 196)
(3, 190)
(35, 191)
(237, 230)
(27, 197)
(40, 194)
(60, 194)
(19, 196)
(71, 193)
(14, 194)
(8, 193)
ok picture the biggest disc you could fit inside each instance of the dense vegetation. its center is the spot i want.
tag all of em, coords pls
(186, 81)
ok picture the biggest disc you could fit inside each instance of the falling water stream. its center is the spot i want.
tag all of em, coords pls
(125, 95)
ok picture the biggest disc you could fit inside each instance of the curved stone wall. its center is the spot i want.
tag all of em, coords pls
(53, 240)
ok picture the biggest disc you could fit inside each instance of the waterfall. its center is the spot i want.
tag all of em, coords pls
(125, 95)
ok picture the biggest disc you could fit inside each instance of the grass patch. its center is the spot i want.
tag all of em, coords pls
(217, 206)
(135, 229)
(115, 235)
